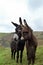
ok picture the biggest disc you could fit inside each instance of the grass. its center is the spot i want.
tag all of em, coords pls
(3, 34)
(5, 57)
(5, 54)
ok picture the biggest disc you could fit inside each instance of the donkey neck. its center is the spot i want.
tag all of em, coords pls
(30, 41)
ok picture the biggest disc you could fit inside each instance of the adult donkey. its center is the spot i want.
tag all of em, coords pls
(17, 45)
(31, 41)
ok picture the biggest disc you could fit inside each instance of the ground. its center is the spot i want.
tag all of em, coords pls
(5, 52)
(5, 57)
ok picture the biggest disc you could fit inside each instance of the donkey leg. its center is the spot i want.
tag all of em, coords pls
(27, 55)
(29, 58)
(21, 55)
(17, 56)
(12, 53)
(33, 60)
(29, 61)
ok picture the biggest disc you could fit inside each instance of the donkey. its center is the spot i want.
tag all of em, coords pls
(31, 42)
(17, 45)
(13, 45)
(30, 39)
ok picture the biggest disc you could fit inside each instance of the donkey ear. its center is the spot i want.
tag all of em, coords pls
(14, 24)
(20, 20)
(25, 23)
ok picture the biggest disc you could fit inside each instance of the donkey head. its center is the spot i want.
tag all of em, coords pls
(26, 31)
(18, 27)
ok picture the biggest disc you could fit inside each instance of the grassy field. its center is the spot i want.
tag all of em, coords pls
(3, 34)
(5, 54)
(5, 57)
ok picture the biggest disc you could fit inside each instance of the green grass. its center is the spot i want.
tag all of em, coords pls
(3, 34)
(5, 57)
